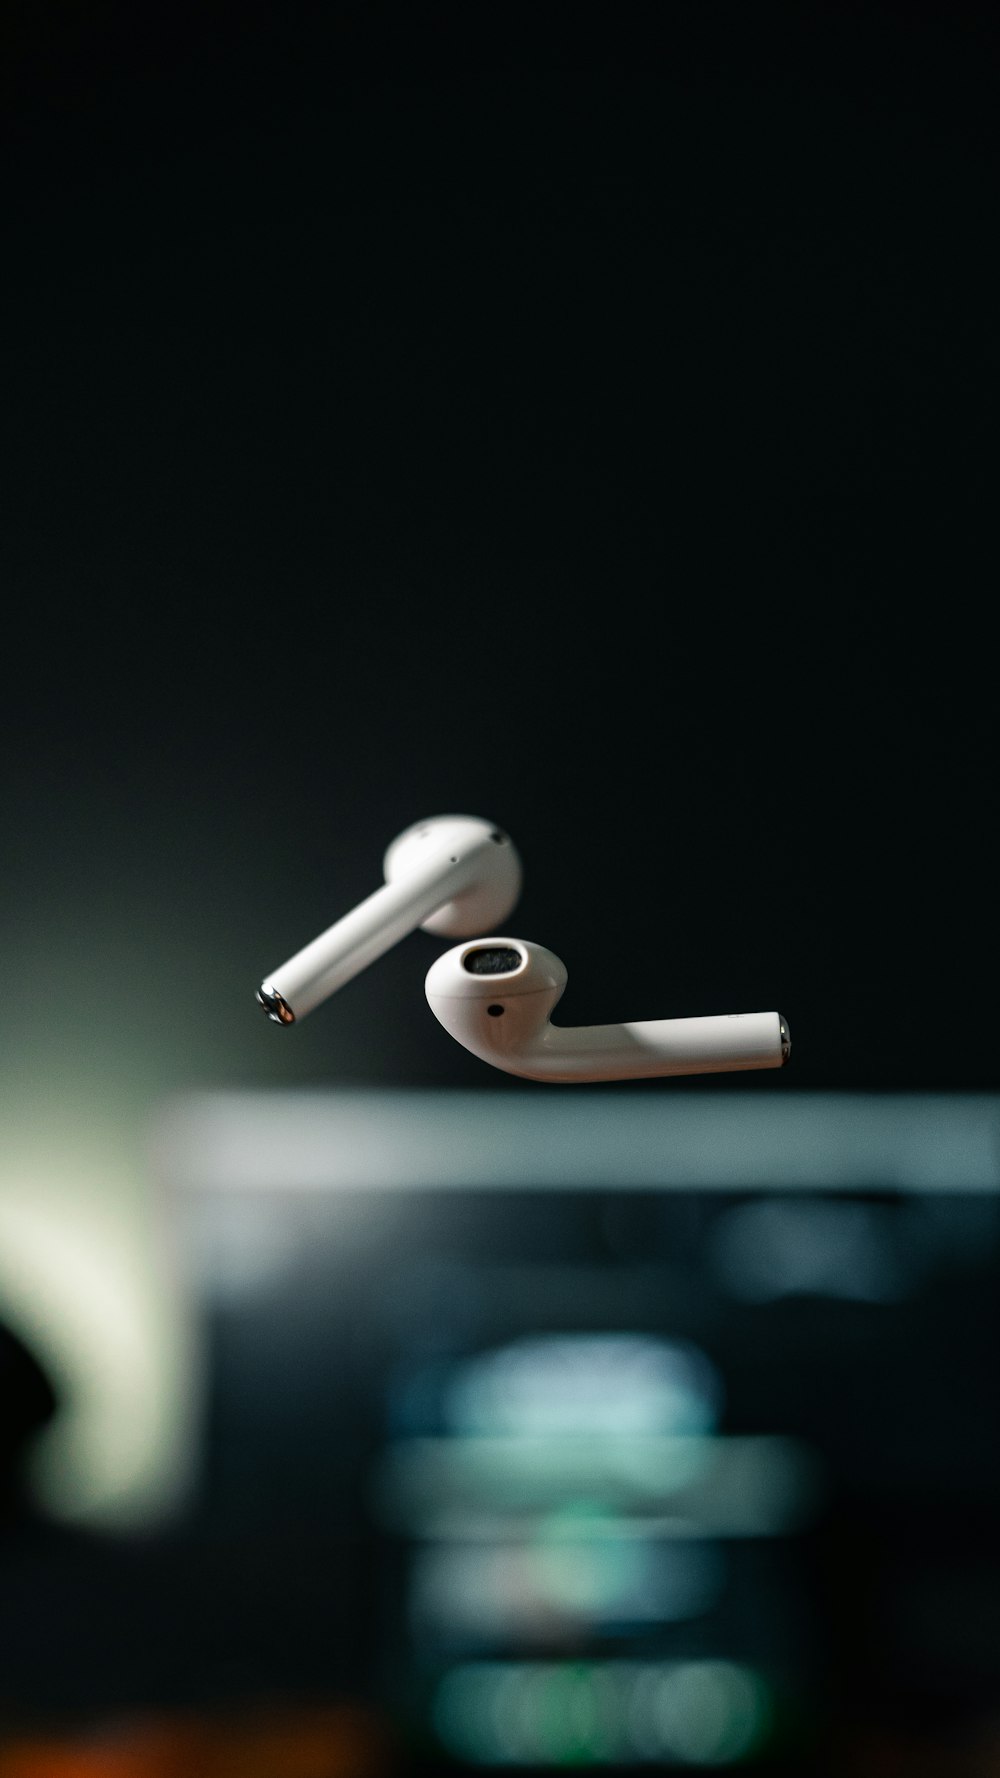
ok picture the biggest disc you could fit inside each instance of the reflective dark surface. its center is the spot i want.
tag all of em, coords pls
(613, 1480)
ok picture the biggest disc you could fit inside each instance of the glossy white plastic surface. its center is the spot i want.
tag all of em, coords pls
(504, 1018)
(454, 874)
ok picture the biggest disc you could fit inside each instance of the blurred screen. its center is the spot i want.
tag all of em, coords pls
(542, 1464)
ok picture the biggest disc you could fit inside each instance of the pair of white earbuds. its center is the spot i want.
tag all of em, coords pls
(457, 876)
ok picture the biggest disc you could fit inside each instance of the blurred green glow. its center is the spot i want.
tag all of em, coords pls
(748, 1486)
(612, 1384)
(88, 1283)
(564, 1713)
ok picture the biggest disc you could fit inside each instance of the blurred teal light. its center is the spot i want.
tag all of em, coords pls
(708, 1713)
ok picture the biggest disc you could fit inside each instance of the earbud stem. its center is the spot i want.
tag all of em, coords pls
(358, 938)
(651, 1048)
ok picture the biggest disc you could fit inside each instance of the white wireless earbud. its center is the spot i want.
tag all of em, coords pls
(452, 874)
(496, 996)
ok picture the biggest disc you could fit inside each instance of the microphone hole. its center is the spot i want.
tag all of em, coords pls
(495, 1012)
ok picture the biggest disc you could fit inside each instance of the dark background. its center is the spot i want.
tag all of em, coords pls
(582, 418)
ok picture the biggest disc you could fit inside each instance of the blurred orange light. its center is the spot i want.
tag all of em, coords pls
(318, 1742)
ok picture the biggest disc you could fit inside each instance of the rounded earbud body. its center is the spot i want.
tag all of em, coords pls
(454, 875)
(487, 871)
(496, 997)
